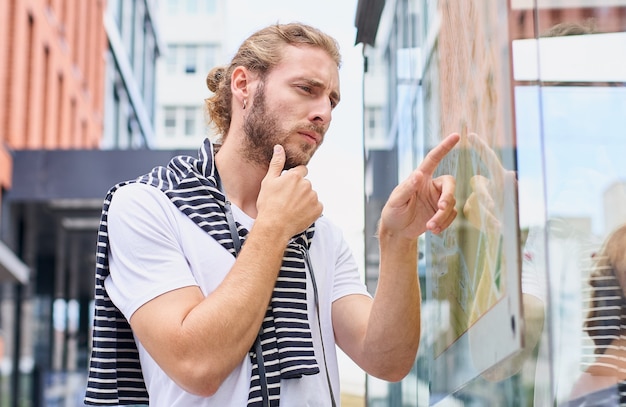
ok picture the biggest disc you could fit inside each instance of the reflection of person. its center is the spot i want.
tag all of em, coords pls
(484, 209)
(606, 326)
(197, 303)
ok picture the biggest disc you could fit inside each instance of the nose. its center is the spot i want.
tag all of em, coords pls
(321, 112)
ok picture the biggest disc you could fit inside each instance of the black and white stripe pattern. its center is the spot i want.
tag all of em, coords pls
(605, 324)
(115, 376)
(605, 312)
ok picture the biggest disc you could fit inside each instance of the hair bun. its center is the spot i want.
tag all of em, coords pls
(214, 78)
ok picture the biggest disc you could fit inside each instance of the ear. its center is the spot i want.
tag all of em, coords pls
(240, 85)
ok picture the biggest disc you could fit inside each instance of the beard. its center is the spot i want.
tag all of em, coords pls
(263, 132)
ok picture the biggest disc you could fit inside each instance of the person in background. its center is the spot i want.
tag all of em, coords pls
(220, 283)
(604, 379)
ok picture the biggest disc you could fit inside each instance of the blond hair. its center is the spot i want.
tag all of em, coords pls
(260, 53)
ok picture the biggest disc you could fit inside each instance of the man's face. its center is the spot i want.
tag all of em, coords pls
(292, 106)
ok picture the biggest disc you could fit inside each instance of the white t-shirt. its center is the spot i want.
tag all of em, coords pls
(155, 248)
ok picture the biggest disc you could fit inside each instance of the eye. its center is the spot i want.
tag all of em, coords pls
(306, 88)
(333, 104)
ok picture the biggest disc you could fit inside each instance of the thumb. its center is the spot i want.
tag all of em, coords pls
(277, 164)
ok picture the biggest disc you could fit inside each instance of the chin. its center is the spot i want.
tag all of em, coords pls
(300, 158)
(296, 161)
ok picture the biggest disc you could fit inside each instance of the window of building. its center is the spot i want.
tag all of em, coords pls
(169, 123)
(374, 120)
(191, 59)
(190, 121)
(171, 58)
(191, 6)
(210, 6)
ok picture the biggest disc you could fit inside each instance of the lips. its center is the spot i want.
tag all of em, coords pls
(313, 136)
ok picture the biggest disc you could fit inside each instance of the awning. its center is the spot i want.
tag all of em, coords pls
(67, 186)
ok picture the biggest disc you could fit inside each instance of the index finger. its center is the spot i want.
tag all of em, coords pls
(434, 157)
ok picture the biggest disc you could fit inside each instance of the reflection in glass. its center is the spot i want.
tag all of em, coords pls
(559, 147)
(473, 266)
(604, 358)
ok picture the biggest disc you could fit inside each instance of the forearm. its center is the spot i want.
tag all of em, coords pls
(239, 303)
(391, 325)
(201, 342)
(393, 333)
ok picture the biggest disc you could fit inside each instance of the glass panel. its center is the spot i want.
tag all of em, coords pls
(472, 268)
(581, 52)
(542, 86)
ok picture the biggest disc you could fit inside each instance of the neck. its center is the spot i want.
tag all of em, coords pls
(241, 180)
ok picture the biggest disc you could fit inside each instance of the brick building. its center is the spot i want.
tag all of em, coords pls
(77, 85)
(52, 76)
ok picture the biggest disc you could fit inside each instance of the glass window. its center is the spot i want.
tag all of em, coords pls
(191, 57)
(373, 117)
(169, 122)
(172, 58)
(192, 6)
(537, 90)
(190, 121)
(210, 6)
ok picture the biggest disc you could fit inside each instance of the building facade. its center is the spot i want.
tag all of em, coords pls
(77, 89)
(193, 34)
(134, 47)
(537, 92)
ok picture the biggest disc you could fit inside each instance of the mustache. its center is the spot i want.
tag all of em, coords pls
(321, 130)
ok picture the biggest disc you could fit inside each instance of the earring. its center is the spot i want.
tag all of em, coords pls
(244, 104)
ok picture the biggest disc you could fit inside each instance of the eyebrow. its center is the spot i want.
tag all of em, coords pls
(317, 84)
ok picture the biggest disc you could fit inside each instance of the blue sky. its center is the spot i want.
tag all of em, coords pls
(584, 135)
(582, 129)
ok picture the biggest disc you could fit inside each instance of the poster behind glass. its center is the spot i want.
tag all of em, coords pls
(473, 268)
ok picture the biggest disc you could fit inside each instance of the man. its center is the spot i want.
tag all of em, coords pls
(236, 288)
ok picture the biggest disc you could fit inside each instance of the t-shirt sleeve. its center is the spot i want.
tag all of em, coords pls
(145, 256)
(347, 279)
